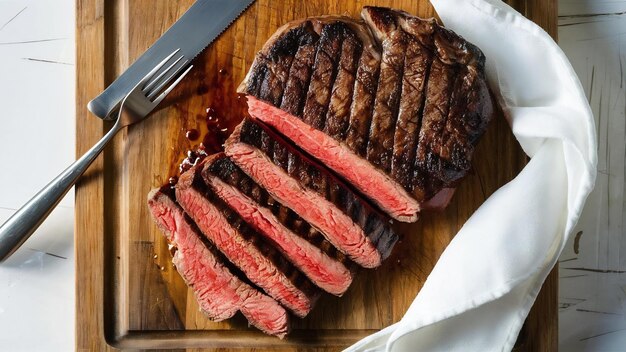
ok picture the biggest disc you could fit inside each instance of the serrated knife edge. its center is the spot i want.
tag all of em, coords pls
(207, 18)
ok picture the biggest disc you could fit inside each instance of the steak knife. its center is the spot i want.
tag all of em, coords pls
(193, 32)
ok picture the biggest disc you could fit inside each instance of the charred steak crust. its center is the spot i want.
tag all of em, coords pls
(231, 174)
(283, 267)
(169, 191)
(273, 69)
(299, 280)
(164, 209)
(393, 103)
(219, 287)
(250, 201)
(310, 175)
(404, 93)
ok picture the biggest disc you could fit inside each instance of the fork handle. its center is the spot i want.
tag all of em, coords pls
(15, 231)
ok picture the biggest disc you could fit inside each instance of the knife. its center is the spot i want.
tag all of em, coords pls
(193, 32)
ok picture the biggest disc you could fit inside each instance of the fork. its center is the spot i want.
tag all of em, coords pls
(135, 106)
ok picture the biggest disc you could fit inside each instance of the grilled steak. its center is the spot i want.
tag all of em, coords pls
(395, 104)
(391, 103)
(219, 292)
(245, 248)
(346, 220)
(303, 245)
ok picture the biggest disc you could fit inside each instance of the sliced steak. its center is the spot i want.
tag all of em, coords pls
(243, 246)
(346, 220)
(394, 104)
(219, 292)
(302, 244)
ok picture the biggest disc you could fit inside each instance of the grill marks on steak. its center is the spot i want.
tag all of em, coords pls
(419, 103)
(417, 61)
(363, 99)
(250, 252)
(338, 115)
(346, 220)
(392, 103)
(300, 71)
(230, 173)
(436, 108)
(387, 100)
(453, 71)
(304, 246)
(290, 50)
(323, 75)
(219, 292)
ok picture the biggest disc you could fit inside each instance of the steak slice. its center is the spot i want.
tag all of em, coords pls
(346, 220)
(394, 104)
(245, 248)
(219, 292)
(303, 245)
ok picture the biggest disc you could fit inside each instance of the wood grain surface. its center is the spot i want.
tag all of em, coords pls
(128, 293)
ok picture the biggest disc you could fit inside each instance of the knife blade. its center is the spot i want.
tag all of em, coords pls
(192, 33)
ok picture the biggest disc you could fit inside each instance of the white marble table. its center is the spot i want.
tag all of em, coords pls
(37, 142)
(592, 273)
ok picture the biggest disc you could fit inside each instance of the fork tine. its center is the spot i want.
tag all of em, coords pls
(169, 89)
(166, 81)
(156, 68)
(160, 75)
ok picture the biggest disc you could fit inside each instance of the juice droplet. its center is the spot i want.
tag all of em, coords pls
(192, 134)
(216, 133)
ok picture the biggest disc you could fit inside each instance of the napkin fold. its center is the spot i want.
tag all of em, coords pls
(484, 284)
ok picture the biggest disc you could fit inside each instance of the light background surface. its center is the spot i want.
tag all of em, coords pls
(37, 142)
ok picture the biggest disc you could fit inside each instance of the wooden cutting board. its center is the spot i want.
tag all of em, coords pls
(127, 291)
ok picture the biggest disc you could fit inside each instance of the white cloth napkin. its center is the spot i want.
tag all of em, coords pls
(483, 286)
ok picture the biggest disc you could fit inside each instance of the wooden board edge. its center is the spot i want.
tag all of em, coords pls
(89, 220)
(89, 212)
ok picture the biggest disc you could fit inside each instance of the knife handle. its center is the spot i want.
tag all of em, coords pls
(15, 231)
